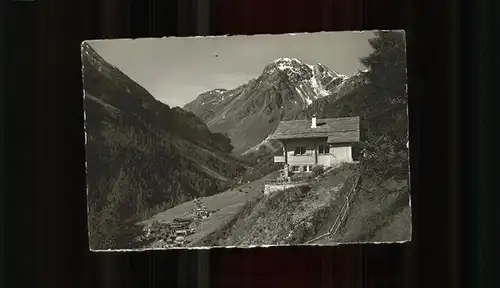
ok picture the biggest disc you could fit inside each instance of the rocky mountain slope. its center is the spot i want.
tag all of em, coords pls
(325, 106)
(337, 104)
(250, 112)
(143, 156)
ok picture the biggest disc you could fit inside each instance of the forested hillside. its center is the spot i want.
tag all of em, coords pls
(142, 156)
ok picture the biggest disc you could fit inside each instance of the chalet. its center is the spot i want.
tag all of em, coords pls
(307, 143)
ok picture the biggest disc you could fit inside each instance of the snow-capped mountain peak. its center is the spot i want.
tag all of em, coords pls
(309, 81)
(293, 67)
(287, 63)
(285, 86)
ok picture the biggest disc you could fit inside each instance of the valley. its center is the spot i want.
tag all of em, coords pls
(149, 164)
(226, 205)
(143, 156)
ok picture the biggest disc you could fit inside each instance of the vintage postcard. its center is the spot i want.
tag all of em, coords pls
(244, 141)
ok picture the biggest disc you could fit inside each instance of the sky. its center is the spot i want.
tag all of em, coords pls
(176, 70)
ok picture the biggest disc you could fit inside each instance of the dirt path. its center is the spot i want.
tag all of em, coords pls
(97, 100)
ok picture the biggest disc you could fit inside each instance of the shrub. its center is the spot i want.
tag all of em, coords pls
(302, 176)
(317, 169)
(304, 189)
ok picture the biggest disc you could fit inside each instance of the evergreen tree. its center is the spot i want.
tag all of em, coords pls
(387, 74)
(386, 154)
(109, 228)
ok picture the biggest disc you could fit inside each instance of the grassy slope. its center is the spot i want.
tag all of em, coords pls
(293, 216)
(378, 216)
(298, 215)
(228, 205)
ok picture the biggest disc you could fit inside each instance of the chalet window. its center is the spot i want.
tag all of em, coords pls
(305, 169)
(295, 168)
(300, 150)
(323, 149)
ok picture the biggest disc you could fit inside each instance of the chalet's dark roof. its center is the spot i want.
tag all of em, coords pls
(336, 130)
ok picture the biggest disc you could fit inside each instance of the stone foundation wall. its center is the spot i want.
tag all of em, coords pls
(270, 188)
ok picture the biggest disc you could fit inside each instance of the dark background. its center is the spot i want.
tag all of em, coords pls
(45, 240)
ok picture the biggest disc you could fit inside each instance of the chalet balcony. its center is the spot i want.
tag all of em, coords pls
(279, 159)
(301, 160)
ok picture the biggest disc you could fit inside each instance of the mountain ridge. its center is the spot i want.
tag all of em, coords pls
(250, 112)
(142, 103)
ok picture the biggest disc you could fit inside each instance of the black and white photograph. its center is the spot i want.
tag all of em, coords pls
(244, 141)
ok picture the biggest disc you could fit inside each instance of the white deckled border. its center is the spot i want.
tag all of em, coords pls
(251, 246)
(225, 36)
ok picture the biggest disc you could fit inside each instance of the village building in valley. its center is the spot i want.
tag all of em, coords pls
(307, 143)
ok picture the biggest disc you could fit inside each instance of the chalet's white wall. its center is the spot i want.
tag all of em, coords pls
(325, 159)
(338, 153)
(341, 154)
